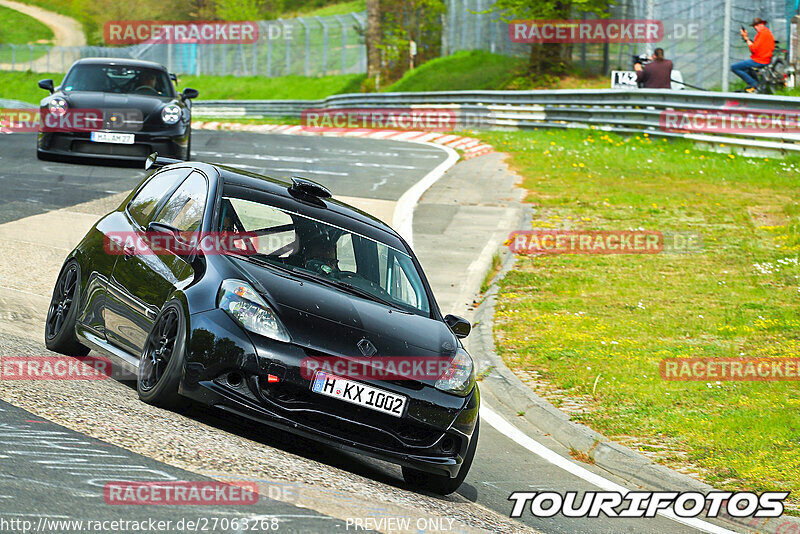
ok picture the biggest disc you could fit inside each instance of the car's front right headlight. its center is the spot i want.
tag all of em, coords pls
(459, 377)
(245, 305)
(58, 107)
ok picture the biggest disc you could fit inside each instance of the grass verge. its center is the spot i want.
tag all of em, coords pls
(20, 29)
(474, 69)
(279, 88)
(588, 331)
(23, 86)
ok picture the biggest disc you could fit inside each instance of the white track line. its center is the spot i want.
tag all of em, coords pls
(403, 223)
(518, 436)
(403, 219)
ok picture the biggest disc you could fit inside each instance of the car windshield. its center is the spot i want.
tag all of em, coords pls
(326, 253)
(118, 79)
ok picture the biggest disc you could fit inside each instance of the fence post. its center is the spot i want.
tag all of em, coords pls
(362, 23)
(324, 45)
(269, 55)
(344, 43)
(726, 47)
(287, 51)
(30, 50)
(794, 48)
(306, 67)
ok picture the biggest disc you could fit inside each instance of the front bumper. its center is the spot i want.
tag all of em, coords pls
(173, 143)
(433, 436)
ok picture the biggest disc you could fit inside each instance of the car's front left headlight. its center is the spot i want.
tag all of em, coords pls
(245, 305)
(171, 114)
(459, 376)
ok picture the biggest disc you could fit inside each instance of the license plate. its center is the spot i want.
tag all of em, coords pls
(110, 137)
(360, 394)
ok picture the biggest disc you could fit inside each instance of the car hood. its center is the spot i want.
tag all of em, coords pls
(147, 104)
(330, 321)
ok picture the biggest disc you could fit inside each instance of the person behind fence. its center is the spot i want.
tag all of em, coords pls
(761, 49)
(657, 74)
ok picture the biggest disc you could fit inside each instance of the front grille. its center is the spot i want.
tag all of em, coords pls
(337, 417)
(111, 149)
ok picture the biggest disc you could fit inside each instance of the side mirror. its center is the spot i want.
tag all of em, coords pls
(190, 93)
(47, 85)
(460, 326)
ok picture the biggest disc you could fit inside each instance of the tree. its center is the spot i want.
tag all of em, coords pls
(549, 58)
(373, 37)
(403, 21)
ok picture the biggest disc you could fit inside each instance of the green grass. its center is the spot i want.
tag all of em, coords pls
(473, 69)
(342, 8)
(77, 9)
(20, 29)
(23, 86)
(593, 328)
(279, 88)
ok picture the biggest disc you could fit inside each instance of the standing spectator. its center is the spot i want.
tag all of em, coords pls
(657, 74)
(761, 49)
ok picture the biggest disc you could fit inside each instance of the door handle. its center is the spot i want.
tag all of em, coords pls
(128, 252)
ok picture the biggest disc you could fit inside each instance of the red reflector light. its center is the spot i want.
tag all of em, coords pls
(272, 379)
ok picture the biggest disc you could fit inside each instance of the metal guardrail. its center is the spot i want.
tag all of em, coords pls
(635, 111)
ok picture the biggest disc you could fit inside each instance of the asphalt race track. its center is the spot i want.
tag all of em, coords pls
(48, 468)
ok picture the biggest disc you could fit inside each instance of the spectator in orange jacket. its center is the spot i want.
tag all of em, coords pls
(761, 49)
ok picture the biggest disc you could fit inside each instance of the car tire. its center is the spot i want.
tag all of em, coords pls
(443, 484)
(162, 359)
(59, 326)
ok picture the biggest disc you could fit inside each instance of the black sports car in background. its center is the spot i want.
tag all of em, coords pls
(306, 278)
(115, 108)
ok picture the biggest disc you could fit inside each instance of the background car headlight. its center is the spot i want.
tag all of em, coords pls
(459, 377)
(58, 107)
(171, 114)
(245, 305)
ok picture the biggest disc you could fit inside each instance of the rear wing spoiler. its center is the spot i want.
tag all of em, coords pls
(154, 161)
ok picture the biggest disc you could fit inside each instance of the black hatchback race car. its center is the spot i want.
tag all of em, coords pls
(276, 302)
(123, 109)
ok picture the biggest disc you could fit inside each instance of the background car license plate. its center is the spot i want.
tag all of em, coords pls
(357, 393)
(110, 137)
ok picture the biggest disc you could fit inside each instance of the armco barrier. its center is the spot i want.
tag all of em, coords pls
(635, 111)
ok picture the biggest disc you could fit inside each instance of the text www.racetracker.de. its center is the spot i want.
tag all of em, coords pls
(197, 524)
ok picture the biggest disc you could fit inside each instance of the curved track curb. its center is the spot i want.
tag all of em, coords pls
(470, 146)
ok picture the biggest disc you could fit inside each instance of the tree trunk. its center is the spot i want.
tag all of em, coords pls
(373, 37)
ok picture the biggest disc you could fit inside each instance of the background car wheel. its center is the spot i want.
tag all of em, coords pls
(59, 327)
(443, 484)
(189, 149)
(162, 359)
